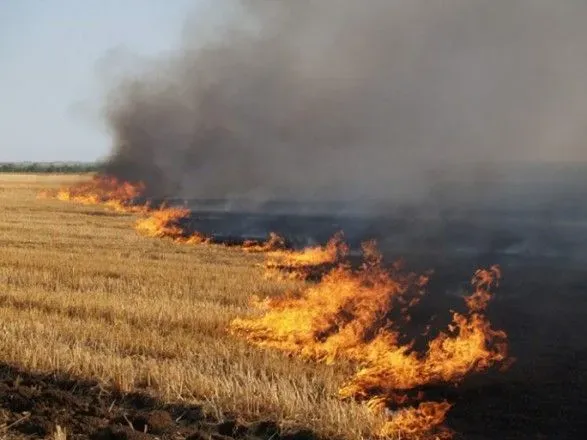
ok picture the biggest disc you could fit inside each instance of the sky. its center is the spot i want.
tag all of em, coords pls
(54, 55)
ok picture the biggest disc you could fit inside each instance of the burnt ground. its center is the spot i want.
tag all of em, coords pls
(31, 405)
(541, 301)
(543, 394)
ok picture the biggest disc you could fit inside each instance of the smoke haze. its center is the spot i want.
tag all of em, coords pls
(317, 99)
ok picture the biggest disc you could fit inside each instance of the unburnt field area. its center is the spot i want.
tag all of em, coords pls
(82, 294)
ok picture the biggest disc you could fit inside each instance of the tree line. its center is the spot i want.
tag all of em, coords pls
(50, 167)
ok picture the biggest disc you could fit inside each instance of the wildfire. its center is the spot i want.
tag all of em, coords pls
(304, 263)
(120, 196)
(359, 315)
(103, 190)
(167, 222)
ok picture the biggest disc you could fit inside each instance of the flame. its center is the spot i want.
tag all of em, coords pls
(102, 190)
(273, 243)
(167, 222)
(358, 315)
(302, 264)
(412, 422)
(120, 196)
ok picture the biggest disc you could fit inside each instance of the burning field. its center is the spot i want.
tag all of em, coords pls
(358, 316)
(379, 351)
(338, 221)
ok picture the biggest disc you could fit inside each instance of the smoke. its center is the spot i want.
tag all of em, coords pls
(318, 99)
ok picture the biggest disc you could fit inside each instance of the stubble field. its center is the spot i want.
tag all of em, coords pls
(82, 293)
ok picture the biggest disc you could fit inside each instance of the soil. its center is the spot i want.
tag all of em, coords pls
(33, 405)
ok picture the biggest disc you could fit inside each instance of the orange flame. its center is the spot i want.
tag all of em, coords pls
(412, 422)
(166, 222)
(273, 243)
(119, 196)
(350, 315)
(304, 263)
(102, 190)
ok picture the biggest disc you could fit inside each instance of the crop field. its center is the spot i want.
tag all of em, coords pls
(82, 293)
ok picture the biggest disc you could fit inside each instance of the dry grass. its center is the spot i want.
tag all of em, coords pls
(81, 292)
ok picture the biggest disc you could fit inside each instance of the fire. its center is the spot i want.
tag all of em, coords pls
(103, 190)
(120, 196)
(273, 243)
(411, 422)
(332, 317)
(359, 315)
(469, 344)
(167, 222)
(304, 263)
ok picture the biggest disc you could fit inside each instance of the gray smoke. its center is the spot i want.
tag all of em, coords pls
(347, 99)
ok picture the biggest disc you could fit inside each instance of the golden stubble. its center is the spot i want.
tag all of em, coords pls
(82, 292)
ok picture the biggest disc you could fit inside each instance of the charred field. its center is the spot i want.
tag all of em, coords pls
(540, 302)
(535, 230)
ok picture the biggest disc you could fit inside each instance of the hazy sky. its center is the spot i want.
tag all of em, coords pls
(52, 58)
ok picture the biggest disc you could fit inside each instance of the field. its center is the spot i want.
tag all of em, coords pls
(83, 294)
(107, 332)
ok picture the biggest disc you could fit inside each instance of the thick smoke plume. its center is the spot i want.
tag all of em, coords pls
(350, 99)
